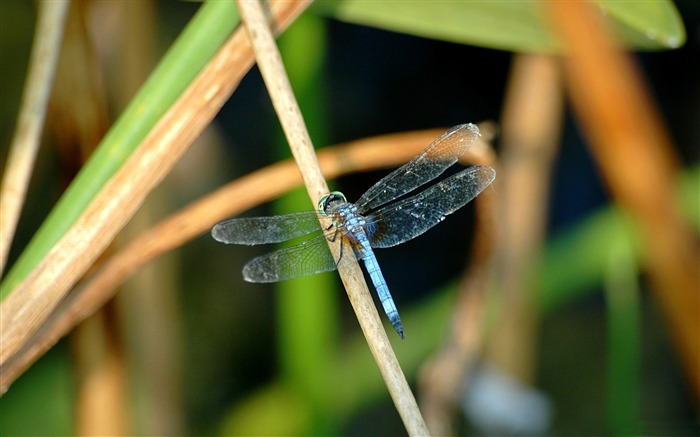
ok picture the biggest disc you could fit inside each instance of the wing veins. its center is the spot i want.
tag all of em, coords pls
(266, 230)
(402, 221)
(426, 166)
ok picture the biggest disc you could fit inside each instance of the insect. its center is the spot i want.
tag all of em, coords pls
(381, 218)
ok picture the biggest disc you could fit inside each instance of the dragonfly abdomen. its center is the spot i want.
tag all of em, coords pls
(375, 273)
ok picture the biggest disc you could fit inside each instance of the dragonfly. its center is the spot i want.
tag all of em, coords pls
(382, 217)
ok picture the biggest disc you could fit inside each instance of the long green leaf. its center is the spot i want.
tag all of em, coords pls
(518, 26)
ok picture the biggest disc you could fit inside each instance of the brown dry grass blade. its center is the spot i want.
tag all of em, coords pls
(24, 311)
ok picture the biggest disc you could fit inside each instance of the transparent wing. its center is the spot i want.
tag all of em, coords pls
(429, 164)
(307, 258)
(266, 230)
(409, 218)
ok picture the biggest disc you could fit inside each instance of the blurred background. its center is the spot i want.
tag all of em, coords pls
(191, 349)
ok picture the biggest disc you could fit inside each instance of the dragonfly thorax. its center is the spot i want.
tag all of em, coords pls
(348, 218)
(344, 214)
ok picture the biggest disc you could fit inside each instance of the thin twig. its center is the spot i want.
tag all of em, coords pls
(35, 98)
(273, 72)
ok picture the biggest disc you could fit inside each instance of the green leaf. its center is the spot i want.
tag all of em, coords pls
(518, 26)
(646, 25)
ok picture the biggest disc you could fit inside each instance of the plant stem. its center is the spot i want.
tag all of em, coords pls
(285, 104)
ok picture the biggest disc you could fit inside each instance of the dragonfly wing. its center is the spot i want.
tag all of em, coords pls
(307, 258)
(430, 163)
(409, 218)
(266, 230)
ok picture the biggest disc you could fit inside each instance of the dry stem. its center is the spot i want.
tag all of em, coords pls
(35, 98)
(272, 69)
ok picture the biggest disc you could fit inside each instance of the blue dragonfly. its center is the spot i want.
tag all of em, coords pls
(381, 218)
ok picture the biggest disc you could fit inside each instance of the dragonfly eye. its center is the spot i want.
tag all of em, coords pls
(330, 199)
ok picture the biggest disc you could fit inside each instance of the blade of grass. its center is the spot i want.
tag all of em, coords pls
(198, 42)
(272, 69)
(624, 341)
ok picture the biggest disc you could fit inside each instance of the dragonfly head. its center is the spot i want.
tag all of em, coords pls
(329, 200)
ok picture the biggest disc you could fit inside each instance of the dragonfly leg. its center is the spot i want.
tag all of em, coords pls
(335, 234)
(340, 252)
